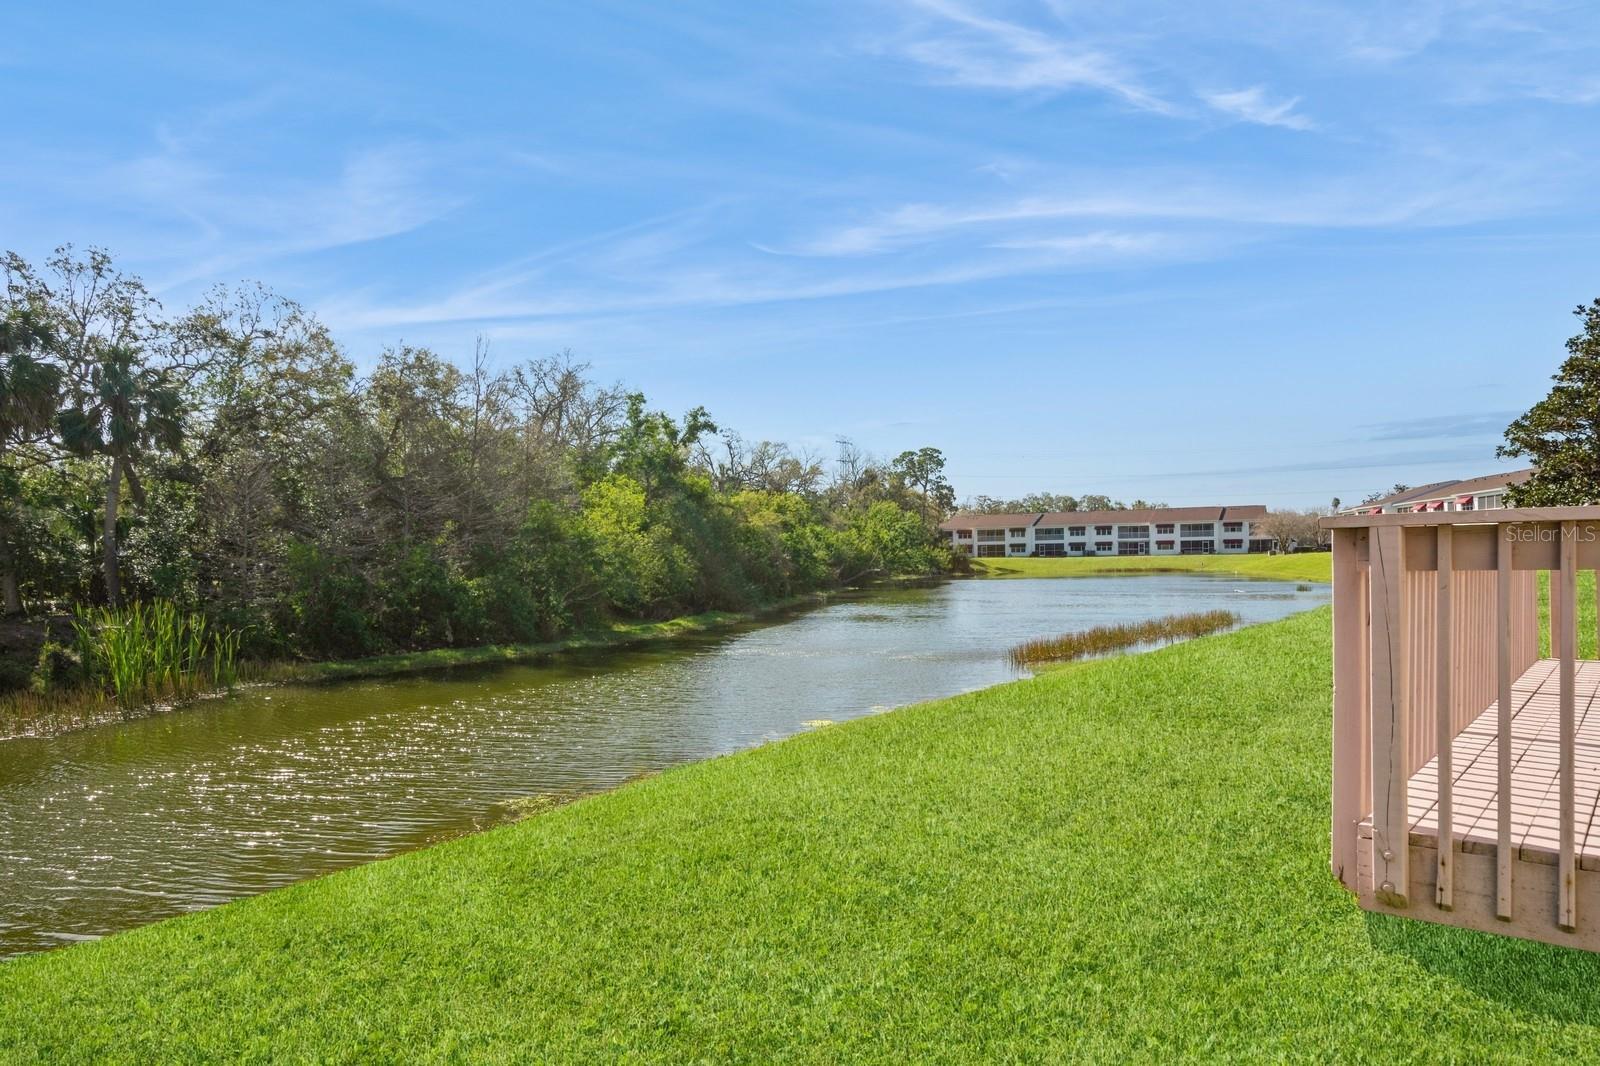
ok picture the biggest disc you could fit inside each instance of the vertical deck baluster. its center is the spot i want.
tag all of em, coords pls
(1503, 594)
(1444, 726)
(1391, 820)
(1568, 642)
(1349, 703)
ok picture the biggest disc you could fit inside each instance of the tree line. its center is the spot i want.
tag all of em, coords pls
(232, 460)
(1049, 502)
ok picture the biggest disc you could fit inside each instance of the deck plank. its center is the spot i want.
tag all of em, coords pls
(1535, 771)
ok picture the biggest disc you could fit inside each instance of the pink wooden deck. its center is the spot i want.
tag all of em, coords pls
(1535, 753)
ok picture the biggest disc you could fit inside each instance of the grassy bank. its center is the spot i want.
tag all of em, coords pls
(1308, 566)
(26, 713)
(1123, 859)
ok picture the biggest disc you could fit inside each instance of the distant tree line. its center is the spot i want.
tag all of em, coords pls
(231, 459)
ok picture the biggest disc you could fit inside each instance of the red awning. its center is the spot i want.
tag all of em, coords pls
(1376, 510)
(1464, 501)
(1436, 505)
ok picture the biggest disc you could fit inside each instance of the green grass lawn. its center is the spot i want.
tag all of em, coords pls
(1123, 859)
(1308, 566)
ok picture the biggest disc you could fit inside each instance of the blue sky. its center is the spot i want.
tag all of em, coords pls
(1202, 253)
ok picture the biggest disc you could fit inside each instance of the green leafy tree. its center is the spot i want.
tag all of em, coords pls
(923, 471)
(544, 581)
(888, 540)
(125, 410)
(30, 389)
(230, 459)
(643, 571)
(653, 449)
(1561, 433)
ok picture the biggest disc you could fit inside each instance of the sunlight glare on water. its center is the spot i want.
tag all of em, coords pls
(113, 827)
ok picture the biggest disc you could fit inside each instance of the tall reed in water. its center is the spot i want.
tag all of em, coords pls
(144, 652)
(1103, 639)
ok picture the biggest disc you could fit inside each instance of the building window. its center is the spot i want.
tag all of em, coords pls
(1102, 531)
(989, 551)
(1075, 531)
(1261, 545)
(1233, 545)
(1133, 547)
(1491, 501)
(1233, 527)
(1052, 548)
(1018, 548)
(1165, 527)
(1198, 547)
(1018, 532)
(991, 536)
(1102, 545)
(963, 534)
(1048, 533)
(1134, 532)
(1197, 529)
(1076, 547)
(1163, 545)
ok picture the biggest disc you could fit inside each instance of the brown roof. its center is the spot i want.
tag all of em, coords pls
(1143, 516)
(1488, 483)
(1444, 490)
(1416, 492)
(989, 521)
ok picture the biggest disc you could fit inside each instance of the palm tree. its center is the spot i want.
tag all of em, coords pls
(127, 410)
(30, 388)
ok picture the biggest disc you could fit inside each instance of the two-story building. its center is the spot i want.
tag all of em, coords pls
(1150, 531)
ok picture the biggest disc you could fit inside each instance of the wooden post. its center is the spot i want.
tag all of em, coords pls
(1444, 732)
(1350, 799)
(1568, 644)
(1503, 854)
(1391, 820)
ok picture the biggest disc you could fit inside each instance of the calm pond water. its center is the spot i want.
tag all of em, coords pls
(113, 827)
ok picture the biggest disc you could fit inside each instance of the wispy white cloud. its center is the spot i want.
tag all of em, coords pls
(1252, 105)
(1437, 189)
(637, 275)
(240, 219)
(967, 47)
(1437, 427)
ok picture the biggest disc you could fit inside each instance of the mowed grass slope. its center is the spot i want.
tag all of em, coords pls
(1120, 860)
(1306, 566)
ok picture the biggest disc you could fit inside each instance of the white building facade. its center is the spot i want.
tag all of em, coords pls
(1150, 531)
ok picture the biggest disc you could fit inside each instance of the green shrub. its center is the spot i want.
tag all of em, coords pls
(14, 674)
(423, 602)
(59, 667)
(328, 609)
(543, 584)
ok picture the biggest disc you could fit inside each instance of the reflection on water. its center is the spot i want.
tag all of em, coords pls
(116, 826)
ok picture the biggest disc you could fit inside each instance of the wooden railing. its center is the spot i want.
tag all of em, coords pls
(1436, 616)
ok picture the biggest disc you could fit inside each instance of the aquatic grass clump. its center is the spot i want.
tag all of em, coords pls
(144, 652)
(1102, 640)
